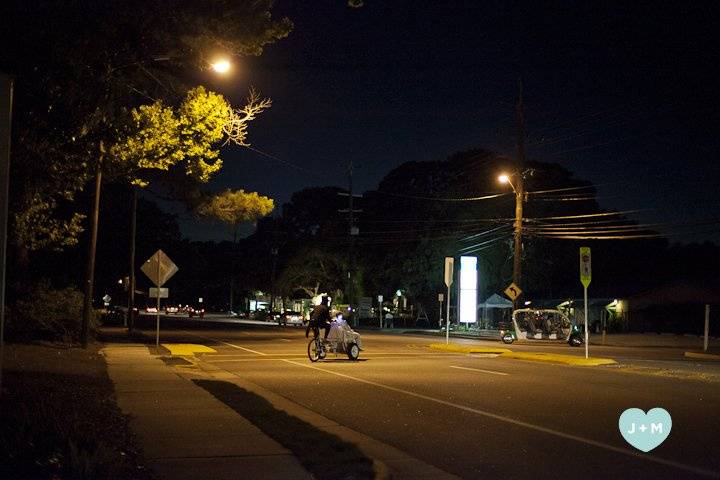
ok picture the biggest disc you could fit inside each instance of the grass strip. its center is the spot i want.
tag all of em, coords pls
(60, 419)
(324, 455)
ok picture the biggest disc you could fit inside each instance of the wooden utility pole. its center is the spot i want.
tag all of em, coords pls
(352, 233)
(6, 100)
(519, 191)
(90, 271)
(130, 319)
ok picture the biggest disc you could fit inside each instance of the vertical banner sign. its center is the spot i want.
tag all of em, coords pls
(449, 265)
(468, 289)
(585, 278)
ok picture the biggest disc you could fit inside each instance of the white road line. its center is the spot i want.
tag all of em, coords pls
(226, 343)
(479, 370)
(520, 423)
(285, 340)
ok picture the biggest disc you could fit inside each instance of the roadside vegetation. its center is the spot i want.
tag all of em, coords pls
(60, 419)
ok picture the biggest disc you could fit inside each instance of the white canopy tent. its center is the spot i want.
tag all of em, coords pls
(494, 310)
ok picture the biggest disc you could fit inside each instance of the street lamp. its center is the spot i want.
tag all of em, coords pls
(519, 190)
(221, 66)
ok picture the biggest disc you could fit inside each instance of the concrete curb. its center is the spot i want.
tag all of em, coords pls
(559, 358)
(703, 356)
(454, 347)
(533, 356)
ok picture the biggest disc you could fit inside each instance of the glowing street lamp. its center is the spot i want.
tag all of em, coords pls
(222, 66)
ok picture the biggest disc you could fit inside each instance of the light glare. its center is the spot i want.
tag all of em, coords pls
(221, 66)
(503, 178)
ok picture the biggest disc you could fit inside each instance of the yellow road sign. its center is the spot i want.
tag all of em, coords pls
(585, 266)
(512, 291)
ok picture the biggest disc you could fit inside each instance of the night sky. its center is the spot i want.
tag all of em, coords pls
(624, 95)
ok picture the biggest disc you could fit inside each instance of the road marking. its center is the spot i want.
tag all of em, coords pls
(225, 343)
(479, 370)
(520, 423)
(285, 340)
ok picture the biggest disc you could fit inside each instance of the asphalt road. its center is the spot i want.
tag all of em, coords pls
(477, 416)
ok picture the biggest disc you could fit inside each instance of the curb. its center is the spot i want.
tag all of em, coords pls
(533, 356)
(454, 347)
(559, 358)
(703, 356)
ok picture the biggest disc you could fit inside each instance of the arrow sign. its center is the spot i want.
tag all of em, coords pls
(512, 291)
(159, 268)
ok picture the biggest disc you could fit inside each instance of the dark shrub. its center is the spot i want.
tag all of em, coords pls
(48, 314)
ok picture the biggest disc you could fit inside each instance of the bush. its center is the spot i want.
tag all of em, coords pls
(49, 314)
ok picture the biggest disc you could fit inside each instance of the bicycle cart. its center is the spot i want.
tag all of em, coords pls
(341, 339)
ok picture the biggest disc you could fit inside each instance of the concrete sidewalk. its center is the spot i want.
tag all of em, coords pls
(185, 432)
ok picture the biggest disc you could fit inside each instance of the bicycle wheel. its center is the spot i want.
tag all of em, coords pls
(314, 350)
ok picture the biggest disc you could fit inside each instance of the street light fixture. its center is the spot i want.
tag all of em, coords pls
(221, 66)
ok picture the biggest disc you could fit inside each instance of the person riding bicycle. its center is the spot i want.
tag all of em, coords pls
(319, 318)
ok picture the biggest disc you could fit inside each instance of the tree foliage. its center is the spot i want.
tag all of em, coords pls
(235, 207)
(159, 137)
(114, 72)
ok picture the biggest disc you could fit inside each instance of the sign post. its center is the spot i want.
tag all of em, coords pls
(380, 311)
(585, 277)
(159, 268)
(441, 297)
(449, 264)
(707, 327)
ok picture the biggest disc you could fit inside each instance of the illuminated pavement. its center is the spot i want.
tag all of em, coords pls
(475, 416)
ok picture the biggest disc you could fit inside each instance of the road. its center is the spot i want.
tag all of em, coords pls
(477, 416)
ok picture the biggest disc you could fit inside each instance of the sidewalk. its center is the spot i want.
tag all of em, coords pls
(185, 432)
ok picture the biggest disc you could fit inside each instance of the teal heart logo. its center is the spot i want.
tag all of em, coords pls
(645, 431)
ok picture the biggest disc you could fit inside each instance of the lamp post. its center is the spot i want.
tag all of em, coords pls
(519, 190)
(220, 66)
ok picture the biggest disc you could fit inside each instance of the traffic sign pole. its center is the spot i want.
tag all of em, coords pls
(449, 265)
(585, 278)
(447, 320)
(587, 336)
(157, 322)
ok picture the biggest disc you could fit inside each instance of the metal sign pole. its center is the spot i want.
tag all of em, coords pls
(157, 319)
(585, 279)
(587, 336)
(707, 328)
(447, 320)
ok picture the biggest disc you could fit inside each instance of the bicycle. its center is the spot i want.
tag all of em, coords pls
(316, 349)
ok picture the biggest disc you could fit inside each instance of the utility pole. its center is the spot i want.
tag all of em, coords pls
(353, 231)
(6, 101)
(92, 249)
(519, 191)
(130, 319)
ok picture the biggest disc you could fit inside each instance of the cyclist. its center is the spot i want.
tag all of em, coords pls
(319, 318)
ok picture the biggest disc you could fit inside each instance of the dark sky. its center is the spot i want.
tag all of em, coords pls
(624, 95)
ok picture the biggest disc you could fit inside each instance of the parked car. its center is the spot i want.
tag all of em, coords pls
(196, 312)
(171, 309)
(291, 318)
(273, 316)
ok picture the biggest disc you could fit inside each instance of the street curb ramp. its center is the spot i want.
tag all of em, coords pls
(531, 356)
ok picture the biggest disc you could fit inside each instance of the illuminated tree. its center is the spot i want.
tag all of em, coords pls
(235, 207)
